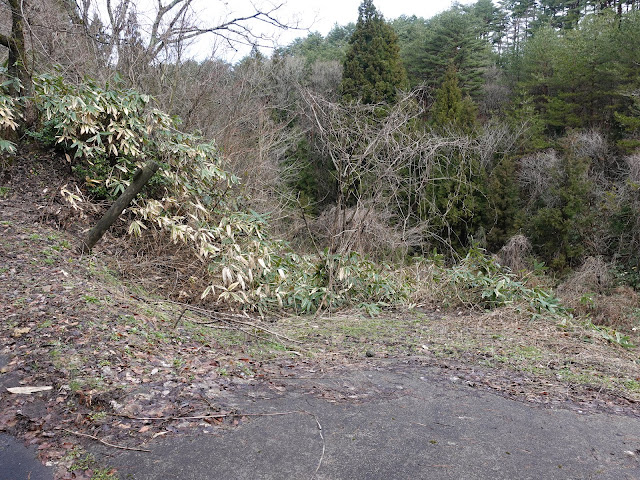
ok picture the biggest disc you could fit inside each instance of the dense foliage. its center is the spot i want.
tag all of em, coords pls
(382, 141)
(373, 71)
(559, 77)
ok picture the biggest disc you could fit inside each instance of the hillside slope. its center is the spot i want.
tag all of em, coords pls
(117, 357)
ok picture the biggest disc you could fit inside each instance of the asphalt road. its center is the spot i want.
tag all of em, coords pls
(18, 462)
(412, 425)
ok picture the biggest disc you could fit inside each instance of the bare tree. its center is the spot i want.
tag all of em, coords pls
(140, 40)
(165, 30)
(384, 166)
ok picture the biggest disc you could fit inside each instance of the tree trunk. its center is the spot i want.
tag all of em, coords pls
(17, 61)
(140, 178)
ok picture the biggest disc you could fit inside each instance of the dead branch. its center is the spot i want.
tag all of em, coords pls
(203, 417)
(231, 319)
(174, 23)
(104, 442)
(323, 442)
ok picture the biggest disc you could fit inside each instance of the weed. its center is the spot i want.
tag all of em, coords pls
(479, 281)
(35, 236)
(615, 336)
(128, 319)
(104, 474)
(98, 416)
(178, 363)
(586, 300)
(528, 352)
(64, 244)
(20, 302)
(276, 346)
(81, 459)
(632, 385)
(4, 192)
(85, 461)
(371, 309)
(160, 336)
(75, 385)
(45, 324)
(91, 299)
(584, 377)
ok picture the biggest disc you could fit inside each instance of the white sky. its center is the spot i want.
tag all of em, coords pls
(314, 15)
(322, 15)
(329, 12)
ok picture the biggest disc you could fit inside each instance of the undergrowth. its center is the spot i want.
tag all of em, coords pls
(106, 134)
(481, 281)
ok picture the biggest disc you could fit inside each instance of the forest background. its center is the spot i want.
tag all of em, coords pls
(499, 139)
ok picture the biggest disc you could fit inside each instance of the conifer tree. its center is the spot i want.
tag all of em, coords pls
(373, 71)
(458, 197)
(454, 37)
(450, 109)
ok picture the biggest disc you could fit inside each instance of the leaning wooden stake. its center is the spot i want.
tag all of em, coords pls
(140, 178)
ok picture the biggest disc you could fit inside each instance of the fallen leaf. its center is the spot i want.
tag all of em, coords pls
(28, 390)
(18, 332)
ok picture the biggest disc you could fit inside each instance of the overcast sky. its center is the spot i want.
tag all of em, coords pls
(322, 15)
(329, 12)
(314, 15)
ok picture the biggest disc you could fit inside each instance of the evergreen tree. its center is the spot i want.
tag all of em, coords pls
(450, 109)
(577, 78)
(314, 47)
(411, 33)
(458, 196)
(503, 213)
(558, 230)
(372, 69)
(491, 21)
(631, 125)
(454, 37)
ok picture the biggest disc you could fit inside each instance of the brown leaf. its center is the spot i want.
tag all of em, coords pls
(18, 332)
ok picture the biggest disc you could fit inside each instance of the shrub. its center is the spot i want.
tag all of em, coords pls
(479, 281)
(107, 132)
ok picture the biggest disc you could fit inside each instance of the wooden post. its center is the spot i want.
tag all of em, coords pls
(140, 178)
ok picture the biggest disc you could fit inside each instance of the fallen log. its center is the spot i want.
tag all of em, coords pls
(140, 179)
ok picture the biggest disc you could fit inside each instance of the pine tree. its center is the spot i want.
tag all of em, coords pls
(373, 71)
(454, 37)
(576, 78)
(491, 21)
